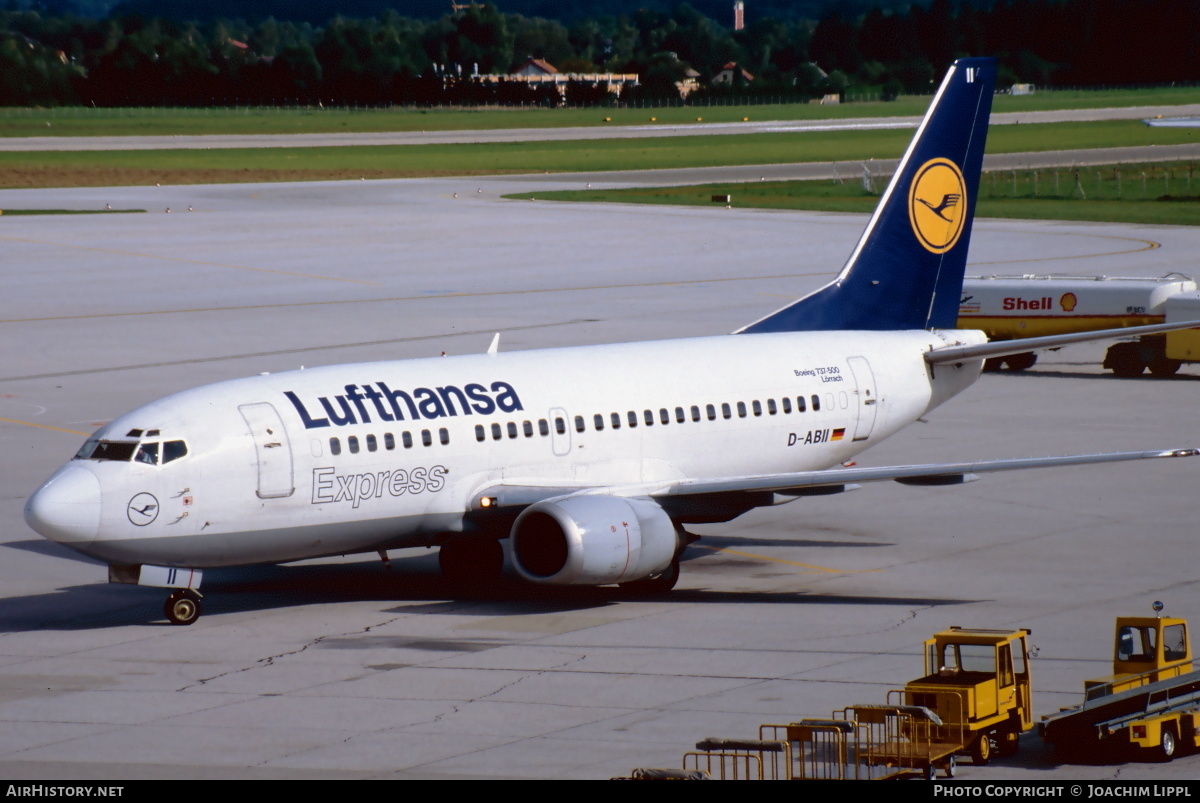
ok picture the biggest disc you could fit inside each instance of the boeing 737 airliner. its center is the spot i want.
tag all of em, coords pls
(591, 460)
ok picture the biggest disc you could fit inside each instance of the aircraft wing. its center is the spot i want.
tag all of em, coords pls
(926, 474)
(1000, 348)
(802, 483)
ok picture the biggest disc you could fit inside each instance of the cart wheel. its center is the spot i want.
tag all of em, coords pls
(951, 763)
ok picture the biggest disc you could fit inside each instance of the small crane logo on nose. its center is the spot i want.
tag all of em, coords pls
(142, 509)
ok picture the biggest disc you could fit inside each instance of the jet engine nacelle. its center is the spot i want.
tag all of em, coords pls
(592, 540)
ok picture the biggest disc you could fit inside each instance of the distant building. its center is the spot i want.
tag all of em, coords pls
(739, 15)
(690, 83)
(728, 72)
(535, 67)
(539, 72)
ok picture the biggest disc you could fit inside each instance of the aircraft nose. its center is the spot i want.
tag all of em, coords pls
(67, 507)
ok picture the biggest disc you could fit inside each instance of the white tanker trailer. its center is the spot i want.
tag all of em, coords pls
(1015, 307)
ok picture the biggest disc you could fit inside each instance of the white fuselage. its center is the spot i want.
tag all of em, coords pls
(382, 455)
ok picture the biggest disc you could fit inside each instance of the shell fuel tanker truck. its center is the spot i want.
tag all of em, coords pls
(1016, 307)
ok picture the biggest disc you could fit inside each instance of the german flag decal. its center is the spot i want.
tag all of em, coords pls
(837, 434)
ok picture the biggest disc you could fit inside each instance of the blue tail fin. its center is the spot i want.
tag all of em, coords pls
(907, 270)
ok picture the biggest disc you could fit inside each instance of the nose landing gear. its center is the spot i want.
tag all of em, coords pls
(183, 607)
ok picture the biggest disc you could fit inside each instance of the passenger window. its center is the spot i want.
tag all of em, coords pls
(147, 454)
(598, 421)
(352, 442)
(173, 450)
(632, 418)
(830, 404)
(496, 434)
(579, 423)
(480, 434)
(680, 416)
(616, 420)
(512, 429)
(648, 415)
(756, 406)
(389, 441)
(444, 436)
(528, 427)
(335, 446)
(695, 413)
(843, 399)
(406, 439)
(426, 437)
(712, 412)
(770, 406)
(800, 405)
(560, 426)
(741, 409)
(543, 427)
(726, 411)
(372, 444)
(787, 404)
(816, 400)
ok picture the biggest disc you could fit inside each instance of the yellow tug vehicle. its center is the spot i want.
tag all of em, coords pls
(978, 684)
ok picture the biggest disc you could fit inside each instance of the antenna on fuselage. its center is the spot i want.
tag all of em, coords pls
(492, 349)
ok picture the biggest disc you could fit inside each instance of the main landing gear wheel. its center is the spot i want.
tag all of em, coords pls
(660, 584)
(471, 561)
(182, 607)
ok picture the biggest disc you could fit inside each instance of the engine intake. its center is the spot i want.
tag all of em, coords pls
(592, 540)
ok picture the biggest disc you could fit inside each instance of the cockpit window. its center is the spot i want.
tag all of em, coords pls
(148, 453)
(173, 450)
(114, 450)
(125, 451)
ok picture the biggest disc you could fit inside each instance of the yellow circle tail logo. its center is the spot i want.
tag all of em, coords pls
(937, 205)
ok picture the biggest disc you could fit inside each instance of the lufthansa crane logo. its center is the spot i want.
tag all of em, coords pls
(937, 205)
(142, 509)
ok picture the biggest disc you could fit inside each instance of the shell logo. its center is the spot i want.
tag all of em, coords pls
(937, 205)
(1068, 302)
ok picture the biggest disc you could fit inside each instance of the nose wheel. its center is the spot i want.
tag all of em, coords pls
(182, 607)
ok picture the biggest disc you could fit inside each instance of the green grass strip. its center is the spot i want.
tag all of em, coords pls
(112, 168)
(152, 121)
(1154, 193)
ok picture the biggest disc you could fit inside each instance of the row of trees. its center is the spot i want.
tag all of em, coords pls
(131, 60)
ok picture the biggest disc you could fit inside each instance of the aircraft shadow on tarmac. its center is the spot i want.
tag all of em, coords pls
(1050, 373)
(742, 542)
(413, 580)
(40, 546)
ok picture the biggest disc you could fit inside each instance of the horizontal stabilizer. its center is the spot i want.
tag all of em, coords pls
(1000, 348)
